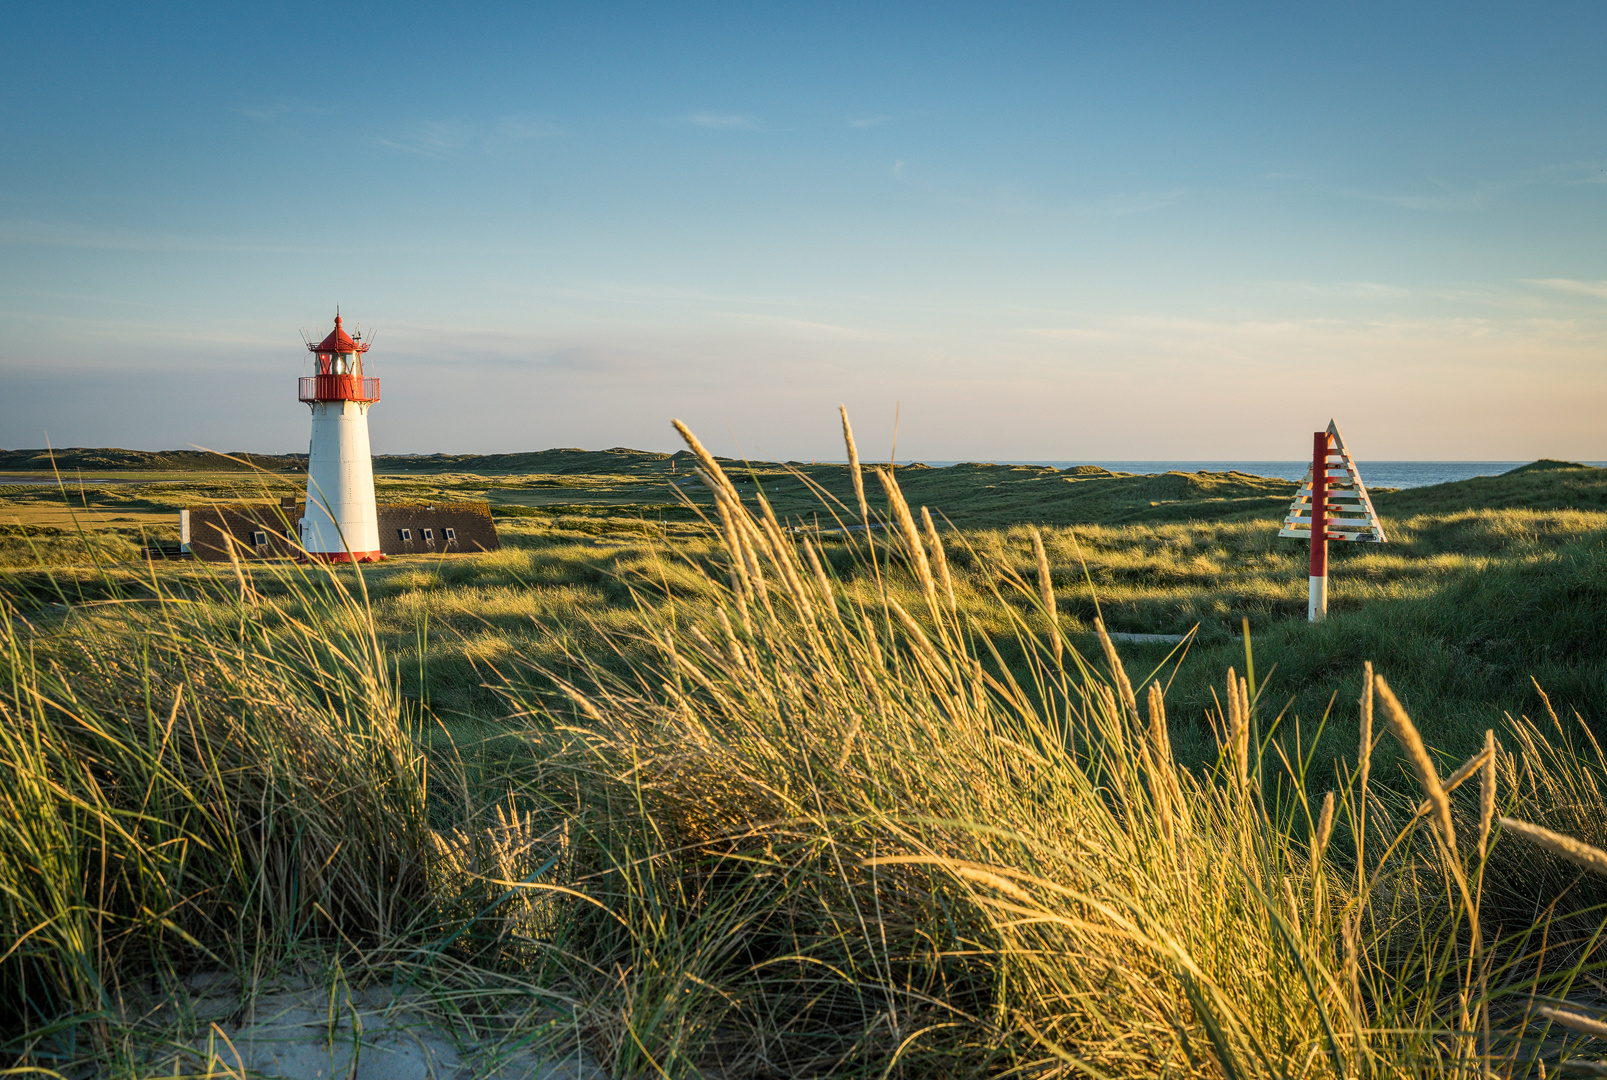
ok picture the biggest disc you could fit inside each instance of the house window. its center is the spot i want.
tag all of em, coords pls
(404, 534)
(260, 539)
(451, 534)
(429, 536)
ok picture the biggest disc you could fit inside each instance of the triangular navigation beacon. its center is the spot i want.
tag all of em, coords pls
(1350, 512)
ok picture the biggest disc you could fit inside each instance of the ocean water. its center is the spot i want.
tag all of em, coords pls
(1375, 474)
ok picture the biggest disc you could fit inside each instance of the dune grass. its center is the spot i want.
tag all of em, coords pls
(787, 804)
(1474, 607)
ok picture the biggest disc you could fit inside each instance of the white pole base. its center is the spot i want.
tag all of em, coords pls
(1317, 609)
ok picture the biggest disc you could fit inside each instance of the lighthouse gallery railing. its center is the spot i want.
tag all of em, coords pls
(337, 388)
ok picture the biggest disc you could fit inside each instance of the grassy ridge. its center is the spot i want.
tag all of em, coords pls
(1543, 484)
(971, 496)
(1540, 485)
(71, 460)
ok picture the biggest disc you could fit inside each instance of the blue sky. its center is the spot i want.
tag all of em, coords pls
(1032, 231)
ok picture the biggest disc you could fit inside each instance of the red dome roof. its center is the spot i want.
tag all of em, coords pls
(338, 341)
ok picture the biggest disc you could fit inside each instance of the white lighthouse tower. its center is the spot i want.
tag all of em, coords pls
(341, 523)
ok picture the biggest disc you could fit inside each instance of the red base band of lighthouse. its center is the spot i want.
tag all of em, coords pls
(1317, 608)
(345, 556)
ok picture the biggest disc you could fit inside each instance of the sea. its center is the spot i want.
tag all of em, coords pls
(1375, 474)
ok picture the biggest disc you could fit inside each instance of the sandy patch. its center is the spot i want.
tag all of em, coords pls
(316, 1033)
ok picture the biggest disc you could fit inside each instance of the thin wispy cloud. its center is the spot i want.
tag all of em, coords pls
(424, 346)
(67, 234)
(588, 358)
(1597, 289)
(1288, 340)
(278, 109)
(1572, 173)
(1360, 290)
(722, 121)
(518, 128)
(991, 198)
(430, 138)
(451, 138)
(1482, 194)
(863, 122)
(1447, 199)
(1019, 198)
(1134, 202)
(806, 327)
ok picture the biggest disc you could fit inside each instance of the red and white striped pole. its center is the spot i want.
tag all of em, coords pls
(1317, 610)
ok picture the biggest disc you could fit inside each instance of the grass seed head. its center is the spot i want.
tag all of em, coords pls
(1575, 851)
(853, 466)
(939, 559)
(1238, 727)
(1364, 742)
(1157, 723)
(1487, 793)
(1118, 672)
(1046, 592)
(1406, 733)
(1325, 829)
(906, 529)
(714, 476)
(1579, 1022)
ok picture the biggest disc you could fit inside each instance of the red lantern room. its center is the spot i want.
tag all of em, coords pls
(340, 370)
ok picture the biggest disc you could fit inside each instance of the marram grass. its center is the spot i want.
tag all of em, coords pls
(821, 829)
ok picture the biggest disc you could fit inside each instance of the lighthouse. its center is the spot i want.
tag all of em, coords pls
(341, 522)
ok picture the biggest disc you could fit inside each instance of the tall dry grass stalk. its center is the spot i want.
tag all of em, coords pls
(1046, 593)
(1364, 765)
(854, 471)
(1118, 673)
(939, 559)
(1580, 854)
(1405, 731)
(913, 546)
(1487, 795)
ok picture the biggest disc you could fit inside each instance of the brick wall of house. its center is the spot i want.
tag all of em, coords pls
(259, 530)
(422, 528)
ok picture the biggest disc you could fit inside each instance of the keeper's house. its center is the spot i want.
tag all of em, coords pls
(268, 530)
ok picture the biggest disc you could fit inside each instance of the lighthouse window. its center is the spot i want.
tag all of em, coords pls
(404, 534)
(429, 536)
(451, 534)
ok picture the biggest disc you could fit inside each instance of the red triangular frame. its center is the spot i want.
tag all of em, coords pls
(1350, 510)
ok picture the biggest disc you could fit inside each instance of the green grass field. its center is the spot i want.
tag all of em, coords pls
(1487, 587)
(814, 802)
